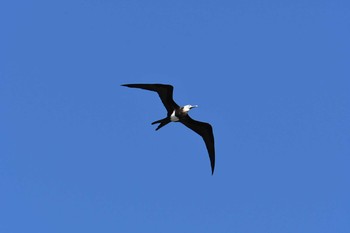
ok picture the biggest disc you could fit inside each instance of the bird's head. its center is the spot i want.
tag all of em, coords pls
(188, 107)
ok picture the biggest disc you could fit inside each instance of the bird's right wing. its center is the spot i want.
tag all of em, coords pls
(206, 132)
(165, 93)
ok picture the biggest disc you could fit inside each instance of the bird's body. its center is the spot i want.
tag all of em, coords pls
(175, 113)
(180, 113)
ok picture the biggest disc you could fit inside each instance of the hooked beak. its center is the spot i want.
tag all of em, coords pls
(194, 106)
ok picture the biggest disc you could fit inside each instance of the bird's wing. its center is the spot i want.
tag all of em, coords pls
(165, 93)
(206, 132)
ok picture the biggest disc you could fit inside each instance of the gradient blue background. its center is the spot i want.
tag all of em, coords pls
(78, 153)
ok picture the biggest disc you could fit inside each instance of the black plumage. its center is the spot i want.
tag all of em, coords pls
(175, 113)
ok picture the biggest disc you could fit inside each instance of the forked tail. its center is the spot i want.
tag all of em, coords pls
(162, 122)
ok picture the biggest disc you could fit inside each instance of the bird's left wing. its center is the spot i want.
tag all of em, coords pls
(164, 91)
(206, 132)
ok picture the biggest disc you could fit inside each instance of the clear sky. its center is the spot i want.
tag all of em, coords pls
(78, 152)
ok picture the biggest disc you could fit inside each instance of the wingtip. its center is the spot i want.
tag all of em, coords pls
(129, 85)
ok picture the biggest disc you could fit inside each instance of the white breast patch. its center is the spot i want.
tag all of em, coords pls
(173, 117)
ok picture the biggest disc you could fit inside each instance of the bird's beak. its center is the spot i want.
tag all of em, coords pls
(194, 106)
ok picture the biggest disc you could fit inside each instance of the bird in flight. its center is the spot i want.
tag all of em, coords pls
(175, 113)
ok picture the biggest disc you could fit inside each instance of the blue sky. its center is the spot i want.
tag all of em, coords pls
(78, 152)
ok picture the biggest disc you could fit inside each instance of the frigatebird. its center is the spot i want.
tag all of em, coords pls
(180, 114)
